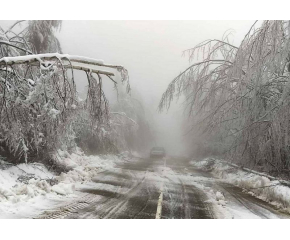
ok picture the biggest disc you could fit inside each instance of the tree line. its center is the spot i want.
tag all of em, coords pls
(237, 98)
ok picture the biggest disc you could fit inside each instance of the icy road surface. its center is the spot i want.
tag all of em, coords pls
(168, 188)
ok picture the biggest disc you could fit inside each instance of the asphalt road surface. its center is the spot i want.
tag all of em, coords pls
(167, 188)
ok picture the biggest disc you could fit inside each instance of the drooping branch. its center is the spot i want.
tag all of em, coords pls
(14, 46)
(17, 22)
(180, 80)
(242, 103)
(40, 106)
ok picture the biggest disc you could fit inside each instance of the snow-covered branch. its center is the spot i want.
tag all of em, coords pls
(14, 46)
(17, 22)
(50, 56)
(67, 61)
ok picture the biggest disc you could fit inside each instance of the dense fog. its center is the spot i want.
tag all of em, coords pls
(144, 119)
(152, 53)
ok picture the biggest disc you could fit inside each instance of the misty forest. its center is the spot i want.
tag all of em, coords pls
(81, 137)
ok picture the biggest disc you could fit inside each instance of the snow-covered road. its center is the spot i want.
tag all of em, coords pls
(161, 188)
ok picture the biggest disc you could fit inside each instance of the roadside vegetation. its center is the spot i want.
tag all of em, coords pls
(40, 108)
(237, 98)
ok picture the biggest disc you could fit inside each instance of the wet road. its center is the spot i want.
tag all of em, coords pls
(161, 188)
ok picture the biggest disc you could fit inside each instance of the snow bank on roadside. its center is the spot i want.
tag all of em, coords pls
(264, 187)
(25, 184)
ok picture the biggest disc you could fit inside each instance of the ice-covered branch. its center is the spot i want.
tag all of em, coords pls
(19, 21)
(107, 73)
(14, 46)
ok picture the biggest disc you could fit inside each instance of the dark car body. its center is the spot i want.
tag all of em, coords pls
(157, 152)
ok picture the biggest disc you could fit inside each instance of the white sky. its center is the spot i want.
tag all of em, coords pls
(152, 53)
(150, 50)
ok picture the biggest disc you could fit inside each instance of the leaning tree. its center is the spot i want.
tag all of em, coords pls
(238, 96)
(40, 110)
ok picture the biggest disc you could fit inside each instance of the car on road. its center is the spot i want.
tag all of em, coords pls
(157, 152)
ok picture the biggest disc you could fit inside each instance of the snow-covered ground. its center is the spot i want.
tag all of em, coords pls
(31, 190)
(271, 190)
(26, 190)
